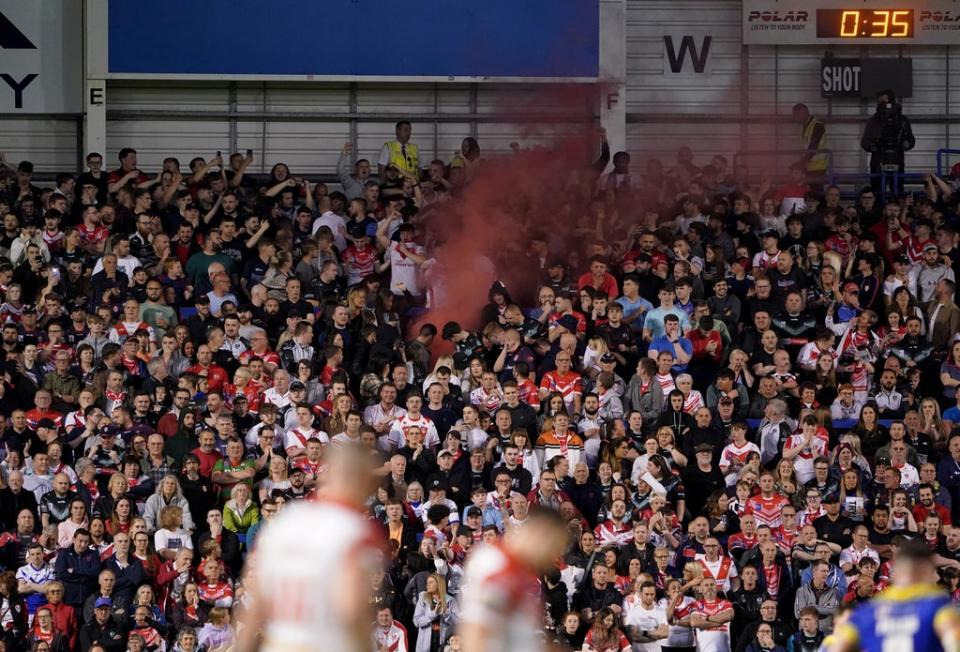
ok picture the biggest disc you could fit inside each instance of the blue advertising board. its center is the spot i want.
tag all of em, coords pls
(556, 39)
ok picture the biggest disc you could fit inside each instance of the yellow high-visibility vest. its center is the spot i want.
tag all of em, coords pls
(405, 156)
(818, 162)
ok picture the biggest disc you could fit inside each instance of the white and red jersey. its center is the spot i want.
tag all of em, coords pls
(570, 385)
(785, 539)
(736, 456)
(529, 393)
(312, 470)
(611, 533)
(716, 639)
(693, 402)
(853, 556)
(771, 573)
(298, 437)
(487, 401)
(723, 570)
(680, 635)
(808, 516)
(393, 638)
(397, 437)
(666, 382)
(125, 329)
(502, 595)
(359, 262)
(810, 353)
(297, 579)
(803, 462)
(219, 594)
(765, 260)
(767, 510)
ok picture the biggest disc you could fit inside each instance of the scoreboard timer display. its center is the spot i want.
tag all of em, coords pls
(835, 22)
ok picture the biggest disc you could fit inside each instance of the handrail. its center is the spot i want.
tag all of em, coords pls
(941, 157)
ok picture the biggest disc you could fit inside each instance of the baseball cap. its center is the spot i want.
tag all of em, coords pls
(436, 483)
(103, 602)
(930, 247)
(46, 423)
(444, 453)
(474, 511)
(297, 385)
(851, 287)
(608, 358)
(903, 259)
(704, 448)
(28, 308)
(770, 233)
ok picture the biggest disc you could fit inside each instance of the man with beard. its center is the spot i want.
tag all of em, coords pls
(199, 263)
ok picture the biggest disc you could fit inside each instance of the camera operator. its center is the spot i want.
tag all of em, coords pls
(887, 137)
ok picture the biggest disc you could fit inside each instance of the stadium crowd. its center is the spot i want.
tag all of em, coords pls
(741, 396)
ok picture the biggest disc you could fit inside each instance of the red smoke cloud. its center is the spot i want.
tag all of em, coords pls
(482, 234)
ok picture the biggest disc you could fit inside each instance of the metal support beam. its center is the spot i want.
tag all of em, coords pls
(293, 116)
(232, 101)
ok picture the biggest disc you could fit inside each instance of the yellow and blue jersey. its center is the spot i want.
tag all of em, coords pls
(901, 619)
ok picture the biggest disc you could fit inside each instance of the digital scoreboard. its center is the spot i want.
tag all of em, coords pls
(835, 22)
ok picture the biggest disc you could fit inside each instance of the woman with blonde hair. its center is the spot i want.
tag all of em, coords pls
(356, 302)
(276, 478)
(435, 615)
(931, 422)
(596, 347)
(171, 536)
(275, 280)
(168, 493)
(240, 512)
(217, 634)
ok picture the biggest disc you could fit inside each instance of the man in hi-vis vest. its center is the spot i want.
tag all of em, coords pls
(813, 137)
(401, 152)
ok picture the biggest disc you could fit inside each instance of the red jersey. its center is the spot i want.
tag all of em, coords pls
(92, 236)
(268, 357)
(359, 263)
(215, 374)
(569, 385)
(529, 393)
(35, 415)
(207, 461)
(767, 510)
(219, 594)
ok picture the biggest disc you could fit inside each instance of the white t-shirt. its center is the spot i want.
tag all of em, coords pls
(403, 269)
(334, 222)
(636, 615)
(126, 265)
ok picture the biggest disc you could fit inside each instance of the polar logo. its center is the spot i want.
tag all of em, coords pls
(11, 38)
(777, 16)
